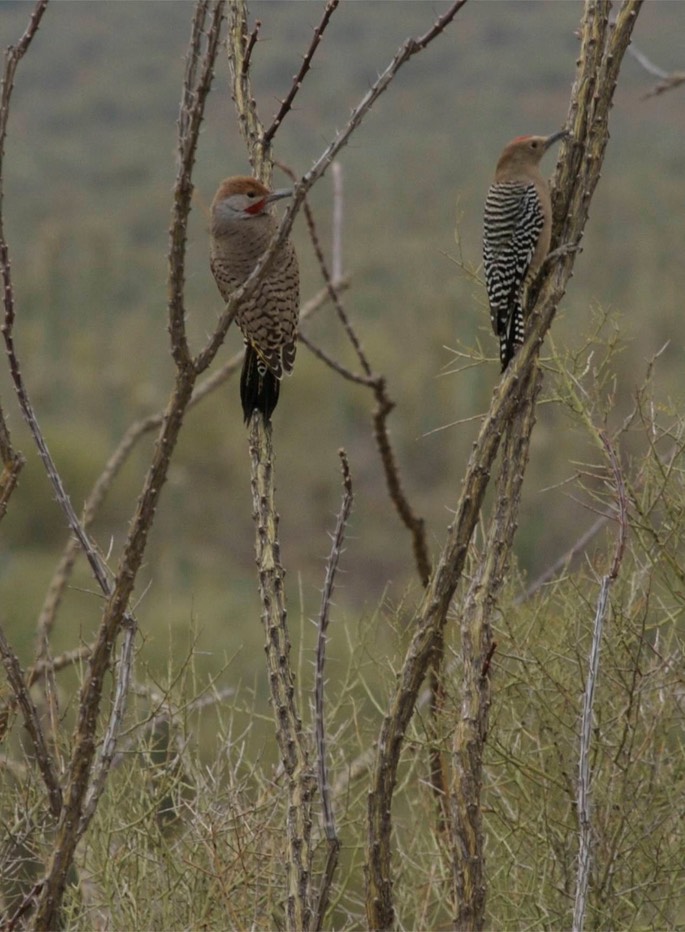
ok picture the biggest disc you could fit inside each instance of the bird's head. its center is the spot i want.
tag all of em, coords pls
(527, 150)
(243, 198)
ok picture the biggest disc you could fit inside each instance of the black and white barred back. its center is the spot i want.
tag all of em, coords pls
(513, 222)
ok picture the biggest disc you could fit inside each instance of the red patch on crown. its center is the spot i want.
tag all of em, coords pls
(521, 138)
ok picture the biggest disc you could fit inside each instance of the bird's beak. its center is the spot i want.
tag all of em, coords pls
(555, 137)
(277, 195)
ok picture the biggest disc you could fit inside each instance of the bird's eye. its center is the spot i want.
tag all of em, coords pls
(250, 194)
(534, 144)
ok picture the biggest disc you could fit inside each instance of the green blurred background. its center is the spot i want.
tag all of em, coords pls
(90, 163)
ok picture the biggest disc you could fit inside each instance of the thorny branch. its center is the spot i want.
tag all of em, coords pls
(116, 717)
(289, 733)
(412, 521)
(12, 462)
(477, 648)
(577, 176)
(249, 48)
(267, 137)
(322, 766)
(44, 760)
(197, 82)
(79, 772)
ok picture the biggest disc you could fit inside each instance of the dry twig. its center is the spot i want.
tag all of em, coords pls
(46, 765)
(267, 137)
(12, 461)
(668, 80)
(322, 628)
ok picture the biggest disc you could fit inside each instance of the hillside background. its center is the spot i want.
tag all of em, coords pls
(90, 163)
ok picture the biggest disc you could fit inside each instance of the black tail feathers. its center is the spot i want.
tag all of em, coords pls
(259, 387)
(513, 335)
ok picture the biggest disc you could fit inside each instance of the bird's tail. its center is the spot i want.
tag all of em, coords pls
(512, 336)
(259, 387)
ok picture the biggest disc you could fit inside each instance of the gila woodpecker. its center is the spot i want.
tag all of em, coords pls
(518, 226)
(241, 229)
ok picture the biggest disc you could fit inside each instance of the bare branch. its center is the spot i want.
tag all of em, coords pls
(116, 718)
(45, 763)
(13, 56)
(322, 628)
(195, 91)
(384, 406)
(12, 464)
(291, 741)
(667, 79)
(414, 523)
(286, 104)
(671, 81)
(11, 460)
(240, 46)
(333, 364)
(249, 48)
(328, 279)
(467, 854)
(648, 65)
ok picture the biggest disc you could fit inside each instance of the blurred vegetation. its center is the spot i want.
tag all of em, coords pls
(199, 820)
(89, 170)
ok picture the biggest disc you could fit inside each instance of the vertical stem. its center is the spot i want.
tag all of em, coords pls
(477, 647)
(584, 775)
(291, 742)
(583, 796)
(320, 728)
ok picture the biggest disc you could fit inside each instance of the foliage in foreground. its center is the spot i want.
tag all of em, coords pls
(181, 842)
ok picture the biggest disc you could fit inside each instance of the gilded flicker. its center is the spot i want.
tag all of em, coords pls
(242, 227)
(518, 227)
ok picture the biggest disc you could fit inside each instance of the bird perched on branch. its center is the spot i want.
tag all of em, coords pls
(518, 227)
(242, 227)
